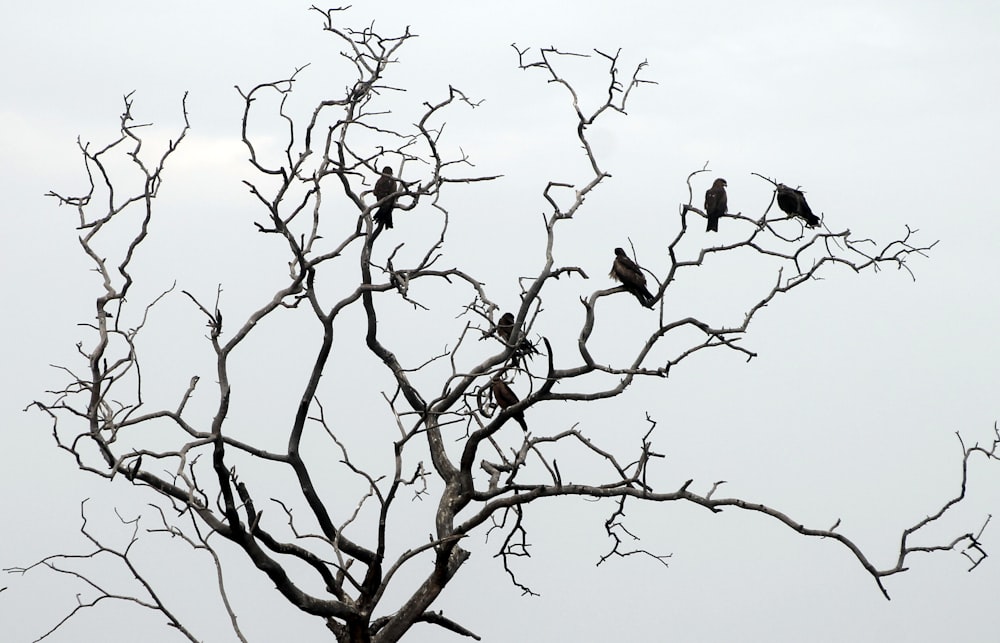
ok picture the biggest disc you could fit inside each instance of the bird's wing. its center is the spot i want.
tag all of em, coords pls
(804, 206)
(628, 272)
(384, 187)
(715, 201)
(504, 396)
(788, 201)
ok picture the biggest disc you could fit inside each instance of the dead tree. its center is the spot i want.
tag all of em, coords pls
(475, 473)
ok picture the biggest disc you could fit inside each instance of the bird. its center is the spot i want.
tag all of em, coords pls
(630, 275)
(793, 202)
(505, 327)
(715, 204)
(385, 186)
(506, 398)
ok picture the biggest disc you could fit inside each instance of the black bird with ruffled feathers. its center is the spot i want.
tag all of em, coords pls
(716, 204)
(384, 187)
(793, 203)
(630, 275)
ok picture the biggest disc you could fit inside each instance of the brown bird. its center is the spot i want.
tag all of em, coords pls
(716, 204)
(506, 398)
(793, 202)
(505, 327)
(630, 275)
(385, 186)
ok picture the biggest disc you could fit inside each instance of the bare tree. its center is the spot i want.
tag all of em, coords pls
(455, 451)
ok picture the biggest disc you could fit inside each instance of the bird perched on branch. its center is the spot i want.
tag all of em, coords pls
(505, 398)
(716, 204)
(793, 202)
(385, 186)
(524, 348)
(630, 275)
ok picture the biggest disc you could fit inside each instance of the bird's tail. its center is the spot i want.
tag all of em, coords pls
(384, 214)
(713, 224)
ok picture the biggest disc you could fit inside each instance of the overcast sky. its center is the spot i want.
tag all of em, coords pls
(885, 112)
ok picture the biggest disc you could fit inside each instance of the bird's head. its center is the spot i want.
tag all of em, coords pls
(619, 252)
(387, 170)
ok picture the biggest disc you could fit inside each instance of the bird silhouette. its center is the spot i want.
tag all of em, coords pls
(505, 398)
(524, 348)
(793, 202)
(630, 275)
(716, 204)
(385, 186)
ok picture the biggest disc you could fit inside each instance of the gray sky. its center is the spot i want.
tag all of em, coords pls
(886, 114)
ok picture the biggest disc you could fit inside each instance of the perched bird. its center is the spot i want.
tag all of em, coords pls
(385, 186)
(506, 398)
(630, 275)
(715, 204)
(793, 202)
(505, 327)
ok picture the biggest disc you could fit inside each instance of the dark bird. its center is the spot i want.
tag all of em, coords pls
(793, 202)
(506, 398)
(630, 275)
(716, 204)
(385, 186)
(505, 327)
